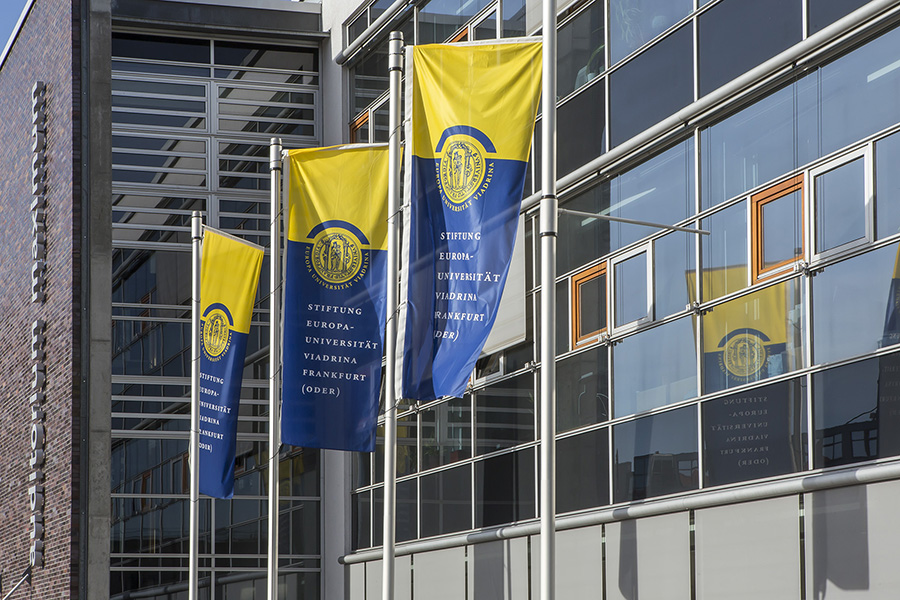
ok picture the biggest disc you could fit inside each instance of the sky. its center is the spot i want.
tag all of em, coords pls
(10, 10)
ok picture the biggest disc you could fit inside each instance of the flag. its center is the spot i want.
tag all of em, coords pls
(229, 276)
(472, 113)
(334, 302)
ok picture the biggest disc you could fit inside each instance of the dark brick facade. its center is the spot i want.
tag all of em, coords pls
(47, 49)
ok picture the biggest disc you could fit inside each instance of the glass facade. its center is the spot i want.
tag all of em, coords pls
(191, 119)
(689, 362)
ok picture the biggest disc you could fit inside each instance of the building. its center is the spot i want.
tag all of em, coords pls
(726, 413)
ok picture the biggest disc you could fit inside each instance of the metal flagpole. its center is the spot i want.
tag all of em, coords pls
(390, 396)
(548, 230)
(274, 360)
(196, 236)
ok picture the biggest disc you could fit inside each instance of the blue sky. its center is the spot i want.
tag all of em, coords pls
(9, 16)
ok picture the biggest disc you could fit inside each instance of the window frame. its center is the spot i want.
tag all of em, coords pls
(758, 201)
(576, 281)
(647, 250)
(866, 154)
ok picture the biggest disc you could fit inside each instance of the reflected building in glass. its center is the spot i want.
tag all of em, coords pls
(727, 404)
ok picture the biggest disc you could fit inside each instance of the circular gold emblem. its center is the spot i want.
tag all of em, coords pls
(216, 334)
(744, 356)
(461, 171)
(336, 256)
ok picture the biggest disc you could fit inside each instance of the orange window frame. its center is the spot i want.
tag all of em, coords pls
(578, 280)
(757, 203)
(356, 125)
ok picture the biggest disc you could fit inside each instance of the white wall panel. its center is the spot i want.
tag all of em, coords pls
(749, 551)
(440, 575)
(649, 558)
(852, 542)
(499, 570)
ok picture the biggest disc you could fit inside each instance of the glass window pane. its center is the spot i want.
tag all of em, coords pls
(261, 56)
(563, 311)
(406, 518)
(447, 433)
(635, 101)
(582, 386)
(513, 18)
(487, 29)
(583, 239)
(633, 23)
(654, 368)
(656, 455)
(781, 238)
(504, 489)
(754, 434)
(590, 316)
(856, 412)
(369, 78)
(582, 474)
(581, 122)
(446, 501)
(725, 252)
(439, 19)
(748, 148)
(631, 289)
(855, 306)
(887, 186)
(580, 50)
(753, 337)
(504, 414)
(858, 92)
(840, 205)
(736, 35)
(662, 186)
(130, 45)
(825, 12)
(673, 272)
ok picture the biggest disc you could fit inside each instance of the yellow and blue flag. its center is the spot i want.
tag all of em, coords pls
(472, 111)
(229, 276)
(334, 302)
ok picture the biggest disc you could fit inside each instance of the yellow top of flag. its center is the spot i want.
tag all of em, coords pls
(489, 87)
(346, 184)
(229, 276)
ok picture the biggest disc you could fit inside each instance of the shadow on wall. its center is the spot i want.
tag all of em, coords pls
(840, 540)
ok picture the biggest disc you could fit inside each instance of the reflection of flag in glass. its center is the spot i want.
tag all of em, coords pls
(745, 339)
(892, 314)
(334, 302)
(229, 276)
(472, 113)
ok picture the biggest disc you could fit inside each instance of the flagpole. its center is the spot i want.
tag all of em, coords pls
(548, 232)
(196, 236)
(390, 412)
(274, 361)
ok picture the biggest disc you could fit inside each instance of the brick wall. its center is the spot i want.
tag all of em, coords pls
(47, 49)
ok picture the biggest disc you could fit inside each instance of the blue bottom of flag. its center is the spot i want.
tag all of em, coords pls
(220, 392)
(333, 338)
(459, 255)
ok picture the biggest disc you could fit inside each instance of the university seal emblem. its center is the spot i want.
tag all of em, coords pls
(743, 356)
(336, 256)
(216, 334)
(463, 172)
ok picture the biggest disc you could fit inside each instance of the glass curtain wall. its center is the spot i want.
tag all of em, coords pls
(192, 119)
(687, 362)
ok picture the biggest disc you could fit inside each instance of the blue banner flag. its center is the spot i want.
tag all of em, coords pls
(472, 116)
(334, 299)
(229, 276)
